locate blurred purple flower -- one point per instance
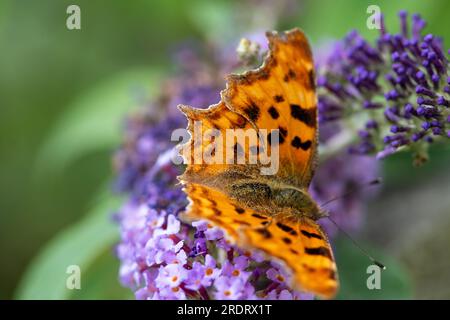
(345, 174)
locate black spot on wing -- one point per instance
(252, 111)
(278, 98)
(216, 211)
(286, 229)
(283, 132)
(319, 251)
(307, 116)
(297, 143)
(311, 235)
(274, 113)
(264, 232)
(289, 76)
(244, 223)
(212, 202)
(239, 210)
(214, 116)
(332, 274)
(258, 216)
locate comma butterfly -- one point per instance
(272, 213)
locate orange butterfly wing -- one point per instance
(299, 245)
(302, 246)
(203, 144)
(281, 95)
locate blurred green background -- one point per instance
(63, 95)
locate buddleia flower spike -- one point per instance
(394, 92)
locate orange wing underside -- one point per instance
(300, 245)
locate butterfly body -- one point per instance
(272, 213)
(275, 199)
(263, 194)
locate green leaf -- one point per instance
(213, 19)
(352, 266)
(101, 280)
(89, 245)
(398, 167)
(93, 121)
(336, 26)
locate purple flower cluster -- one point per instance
(345, 174)
(398, 89)
(147, 132)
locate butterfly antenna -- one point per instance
(370, 183)
(373, 182)
(376, 262)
